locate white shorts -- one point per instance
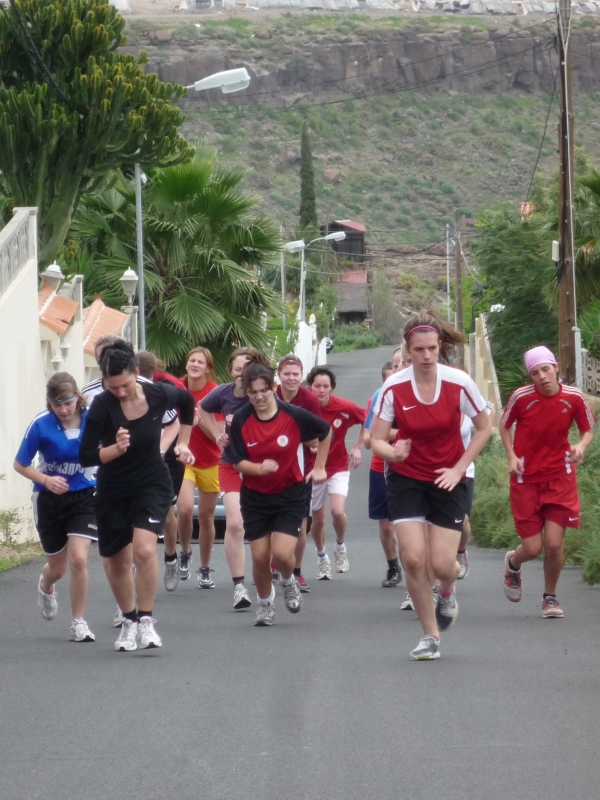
(337, 484)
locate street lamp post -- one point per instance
(230, 80)
(301, 246)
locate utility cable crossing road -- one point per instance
(325, 704)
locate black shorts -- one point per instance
(378, 505)
(58, 516)
(308, 499)
(412, 499)
(470, 494)
(176, 471)
(265, 513)
(119, 512)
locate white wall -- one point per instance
(22, 385)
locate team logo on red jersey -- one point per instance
(337, 423)
(282, 441)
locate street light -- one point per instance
(53, 275)
(300, 246)
(129, 281)
(230, 80)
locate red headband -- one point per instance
(418, 327)
(290, 360)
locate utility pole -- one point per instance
(283, 288)
(460, 350)
(448, 267)
(567, 310)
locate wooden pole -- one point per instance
(567, 314)
(460, 350)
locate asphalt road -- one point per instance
(325, 704)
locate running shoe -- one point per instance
(171, 578)
(324, 569)
(463, 560)
(47, 602)
(241, 598)
(127, 639)
(341, 559)
(204, 579)
(80, 632)
(513, 587)
(446, 610)
(147, 637)
(393, 578)
(551, 609)
(185, 559)
(118, 618)
(264, 616)
(302, 584)
(407, 605)
(292, 597)
(427, 649)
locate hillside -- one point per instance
(410, 117)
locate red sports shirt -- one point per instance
(341, 415)
(433, 428)
(542, 430)
(307, 400)
(377, 463)
(206, 452)
(280, 439)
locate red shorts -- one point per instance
(556, 501)
(229, 479)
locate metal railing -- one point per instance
(17, 244)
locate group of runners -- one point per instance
(110, 463)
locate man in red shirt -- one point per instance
(543, 483)
(290, 374)
(341, 415)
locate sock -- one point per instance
(549, 595)
(512, 567)
(323, 554)
(131, 616)
(437, 638)
(393, 563)
(462, 552)
(446, 594)
(170, 559)
(144, 614)
(269, 601)
(297, 571)
(340, 545)
(285, 582)
(238, 580)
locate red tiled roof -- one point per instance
(348, 223)
(55, 312)
(98, 320)
(354, 276)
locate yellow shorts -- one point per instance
(207, 479)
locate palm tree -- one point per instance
(204, 247)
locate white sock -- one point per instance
(322, 555)
(341, 548)
(269, 601)
(285, 582)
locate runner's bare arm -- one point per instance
(318, 473)
(169, 434)
(54, 483)
(578, 450)
(448, 477)
(251, 468)
(515, 465)
(355, 454)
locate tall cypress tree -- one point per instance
(308, 203)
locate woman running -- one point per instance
(204, 474)
(134, 492)
(427, 492)
(228, 399)
(290, 373)
(63, 498)
(542, 462)
(265, 446)
(341, 415)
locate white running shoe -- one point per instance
(463, 560)
(292, 597)
(241, 598)
(47, 602)
(341, 558)
(146, 635)
(80, 632)
(264, 616)
(324, 569)
(127, 639)
(204, 579)
(171, 578)
(427, 649)
(118, 618)
(407, 604)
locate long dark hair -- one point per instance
(117, 358)
(256, 369)
(424, 321)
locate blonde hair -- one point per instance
(60, 387)
(211, 374)
(424, 321)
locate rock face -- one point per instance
(480, 62)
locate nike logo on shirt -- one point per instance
(154, 521)
(407, 408)
(252, 444)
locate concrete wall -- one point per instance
(482, 368)
(23, 382)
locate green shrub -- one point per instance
(356, 337)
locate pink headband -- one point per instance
(538, 355)
(418, 327)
